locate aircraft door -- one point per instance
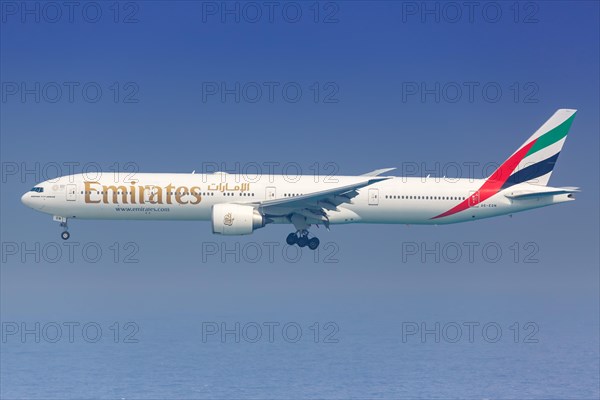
(71, 192)
(270, 192)
(473, 199)
(151, 195)
(373, 197)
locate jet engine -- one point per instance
(236, 219)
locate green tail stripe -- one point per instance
(552, 136)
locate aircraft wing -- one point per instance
(314, 206)
(378, 172)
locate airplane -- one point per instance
(238, 205)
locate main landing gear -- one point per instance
(301, 239)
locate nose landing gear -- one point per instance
(65, 235)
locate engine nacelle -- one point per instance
(235, 219)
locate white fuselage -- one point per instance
(165, 196)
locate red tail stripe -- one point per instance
(493, 184)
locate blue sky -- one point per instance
(168, 104)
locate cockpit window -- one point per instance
(37, 189)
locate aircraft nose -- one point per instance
(26, 199)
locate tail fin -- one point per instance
(534, 160)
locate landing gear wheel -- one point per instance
(292, 239)
(313, 243)
(65, 235)
(302, 241)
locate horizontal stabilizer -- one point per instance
(529, 194)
